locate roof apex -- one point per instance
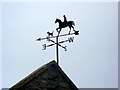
(40, 71)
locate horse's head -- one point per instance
(57, 20)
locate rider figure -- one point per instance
(65, 19)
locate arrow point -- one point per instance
(76, 32)
(38, 39)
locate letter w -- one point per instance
(70, 39)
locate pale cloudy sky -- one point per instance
(91, 61)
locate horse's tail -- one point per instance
(73, 23)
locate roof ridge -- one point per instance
(34, 74)
(41, 70)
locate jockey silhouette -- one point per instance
(65, 19)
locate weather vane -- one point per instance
(51, 36)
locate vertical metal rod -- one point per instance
(57, 56)
(57, 51)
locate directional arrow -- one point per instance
(75, 33)
(57, 43)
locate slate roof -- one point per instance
(48, 77)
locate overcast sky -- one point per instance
(91, 60)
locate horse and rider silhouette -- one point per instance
(64, 24)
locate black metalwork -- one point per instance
(57, 43)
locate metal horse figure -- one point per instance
(63, 25)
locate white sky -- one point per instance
(91, 61)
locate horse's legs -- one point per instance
(57, 29)
(69, 30)
(73, 28)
